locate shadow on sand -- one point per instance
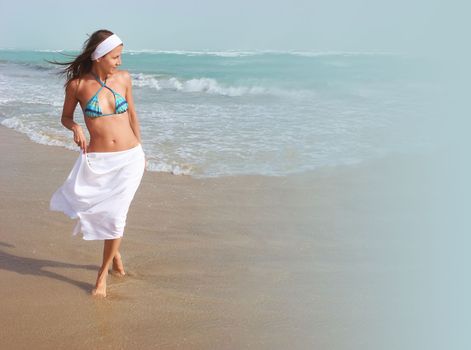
(30, 266)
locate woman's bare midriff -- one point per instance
(111, 133)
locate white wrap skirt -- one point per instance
(99, 191)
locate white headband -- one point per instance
(106, 46)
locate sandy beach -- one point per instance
(247, 262)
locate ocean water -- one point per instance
(211, 114)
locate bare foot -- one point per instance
(100, 286)
(118, 268)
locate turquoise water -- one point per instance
(210, 114)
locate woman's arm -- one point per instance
(70, 102)
(133, 120)
(67, 119)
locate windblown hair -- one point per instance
(82, 64)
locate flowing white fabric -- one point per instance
(106, 46)
(99, 191)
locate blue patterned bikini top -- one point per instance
(92, 108)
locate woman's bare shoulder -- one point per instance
(76, 85)
(122, 78)
(79, 81)
(72, 86)
(72, 83)
(123, 75)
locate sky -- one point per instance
(306, 25)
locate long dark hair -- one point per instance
(82, 64)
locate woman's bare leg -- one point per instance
(110, 248)
(118, 267)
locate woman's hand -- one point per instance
(79, 138)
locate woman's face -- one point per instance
(111, 60)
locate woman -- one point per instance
(107, 173)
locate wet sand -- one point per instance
(246, 262)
